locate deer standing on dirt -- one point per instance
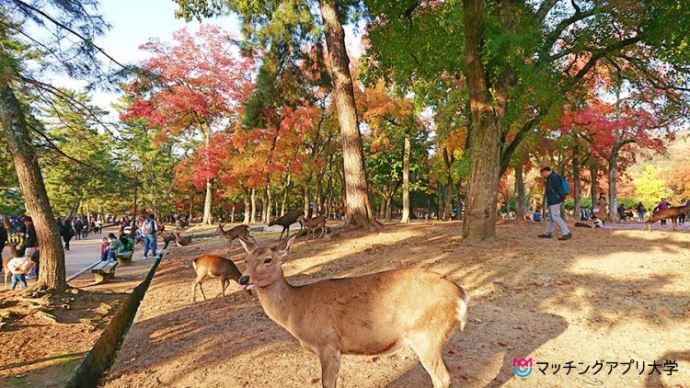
(312, 224)
(365, 315)
(214, 266)
(288, 219)
(672, 213)
(240, 231)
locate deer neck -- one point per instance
(277, 300)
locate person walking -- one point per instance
(29, 241)
(556, 191)
(640, 211)
(3, 237)
(149, 230)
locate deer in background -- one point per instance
(214, 266)
(181, 240)
(312, 224)
(288, 219)
(672, 213)
(365, 315)
(240, 231)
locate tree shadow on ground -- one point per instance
(518, 290)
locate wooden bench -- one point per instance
(125, 257)
(104, 271)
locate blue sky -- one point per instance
(133, 22)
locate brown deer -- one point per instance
(214, 266)
(167, 239)
(365, 315)
(240, 231)
(312, 224)
(288, 219)
(672, 213)
(181, 240)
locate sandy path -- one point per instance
(606, 295)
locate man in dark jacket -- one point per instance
(555, 195)
(29, 241)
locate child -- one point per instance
(19, 266)
(598, 223)
(104, 249)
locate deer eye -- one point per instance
(268, 260)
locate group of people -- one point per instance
(25, 261)
(144, 230)
(78, 228)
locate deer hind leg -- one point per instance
(429, 349)
(330, 365)
(224, 283)
(197, 281)
(323, 231)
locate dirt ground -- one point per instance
(41, 350)
(604, 297)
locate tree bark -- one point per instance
(576, 180)
(252, 217)
(305, 198)
(613, 176)
(520, 194)
(593, 172)
(232, 213)
(247, 208)
(480, 219)
(357, 202)
(52, 264)
(406, 182)
(208, 201)
(389, 211)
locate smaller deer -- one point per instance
(181, 240)
(240, 231)
(167, 239)
(318, 222)
(288, 219)
(214, 266)
(672, 213)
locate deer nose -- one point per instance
(244, 280)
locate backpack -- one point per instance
(564, 185)
(149, 227)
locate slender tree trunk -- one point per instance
(577, 189)
(389, 210)
(358, 205)
(305, 198)
(613, 176)
(191, 208)
(520, 194)
(593, 172)
(52, 265)
(269, 205)
(247, 208)
(286, 189)
(253, 211)
(232, 213)
(448, 202)
(480, 217)
(382, 207)
(208, 201)
(406, 182)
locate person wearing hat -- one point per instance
(555, 195)
(29, 242)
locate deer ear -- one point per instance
(284, 245)
(247, 245)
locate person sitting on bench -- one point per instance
(116, 247)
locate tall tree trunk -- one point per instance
(448, 202)
(520, 194)
(480, 217)
(358, 205)
(305, 198)
(269, 204)
(52, 266)
(283, 203)
(208, 201)
(264, 207)
(191, 209)
(247, 208)
(406, 182)
(389, 210)
(613, 176)
(253, 212)
(232, 213)
(593, 172)
(577, 189)
(382, 207)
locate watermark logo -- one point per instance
(522, 367)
